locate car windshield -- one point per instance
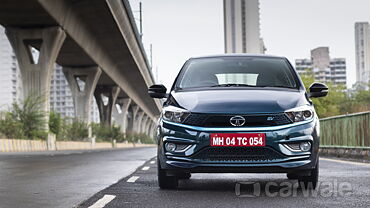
(237, 72)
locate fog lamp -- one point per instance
(170, 147)
(305, 146)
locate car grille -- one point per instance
(237, 154)
(205, 120)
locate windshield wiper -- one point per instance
(246, 85)
(234, 85)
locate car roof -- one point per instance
(237, 55)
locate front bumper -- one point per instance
(275, 157)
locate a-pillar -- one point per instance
(106, 97)
(121, 117)
(82, 82)
(37, 71)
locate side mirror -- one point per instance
(318, 90)
(157, 91)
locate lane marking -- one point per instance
(152, 162)
(133, 179)
(145, 168)
(103, 201)
(344, 161)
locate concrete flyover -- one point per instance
(97, 44)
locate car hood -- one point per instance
(240, 100)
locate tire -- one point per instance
(164, 181)
(311, 181)
(184, 176)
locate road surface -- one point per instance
(127, 178)
(342, 184)
(63, 179)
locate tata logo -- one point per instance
(237, 120)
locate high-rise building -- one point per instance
(242, 27)
(10, 78)
(60, 95)
(324, 68)
(362, 41)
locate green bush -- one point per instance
(55, 123)
(24, 120)
(104, 134)
(76, 131)
(145, 139)
(30, 116)
(139, 138)
(107, 134)
(10, 127)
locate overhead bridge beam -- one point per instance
(67, 17)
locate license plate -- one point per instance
(238, 139)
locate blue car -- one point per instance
(238, 113)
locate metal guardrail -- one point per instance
(346, 131)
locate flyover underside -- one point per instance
(94, 38)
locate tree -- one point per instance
(333, 104)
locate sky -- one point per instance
(180, 29)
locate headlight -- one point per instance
(302, 113)
(174, 114)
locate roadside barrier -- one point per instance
(349, 131)
(346, 136)
(20, 145)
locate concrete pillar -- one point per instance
(130, 120)
(143, 124)
(152, 129)
(36, 72)
(147, 123)
(147, 126)
(106, 106)
(82, 93)
(121, 118)
(139, 120)
(135, 112)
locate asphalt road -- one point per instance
(127, 178)
(342, 184)
(63, 179)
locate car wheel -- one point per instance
(164, 181)
(312, 180)
(184, 176)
